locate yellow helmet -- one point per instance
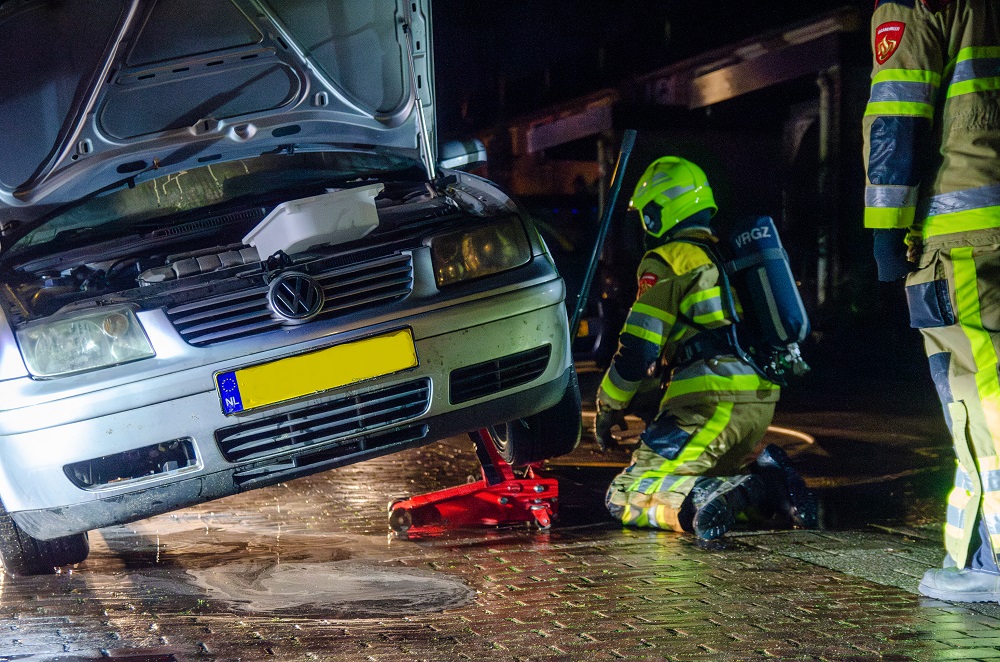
(671, 190)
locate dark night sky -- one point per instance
(497, 59)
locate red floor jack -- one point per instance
(499, 498)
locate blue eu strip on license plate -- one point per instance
(229, 391)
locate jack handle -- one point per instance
(628, 142)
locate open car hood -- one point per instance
(106, 91)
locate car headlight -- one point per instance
(92, 340)
(479, 251)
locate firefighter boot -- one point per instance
(716, 510)
(786, 491)
(960, 585)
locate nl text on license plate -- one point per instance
(305, 374)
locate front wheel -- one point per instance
(21, 554)
(547, 434)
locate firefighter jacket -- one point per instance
(679, 299)
(932, 124)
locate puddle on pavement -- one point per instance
(330, 576)
(349, 591)
(328, 590)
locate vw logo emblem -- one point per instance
(295, 296)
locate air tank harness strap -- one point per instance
(702, 347)
(729, 334)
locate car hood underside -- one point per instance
(106, 91)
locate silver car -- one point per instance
(231, 257)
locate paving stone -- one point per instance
(587, 590)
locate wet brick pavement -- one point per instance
(305, 570)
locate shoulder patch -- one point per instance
(682, 256)
(888, 36)
(646, 281)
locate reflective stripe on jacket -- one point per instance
(932, 124)
(681, 285)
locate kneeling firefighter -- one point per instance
(695, 469)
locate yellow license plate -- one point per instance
(306, 374)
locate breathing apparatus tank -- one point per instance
(756, 266)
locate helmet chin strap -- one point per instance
(699, 219)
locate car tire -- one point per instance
(21, 554)
(547, 434)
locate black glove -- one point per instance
(608, 418)
(890, 254)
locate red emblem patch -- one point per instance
(646, 281)
(888, 36)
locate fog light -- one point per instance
(142, 462)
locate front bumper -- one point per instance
(43, 501)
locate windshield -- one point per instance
(156, 203)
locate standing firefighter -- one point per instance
(694, 469)
(932, 152)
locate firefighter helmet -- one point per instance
(671, 190)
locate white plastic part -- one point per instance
(330, 218)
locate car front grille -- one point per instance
(328, 457)
(346, 289)
(490, 377)
(342, 418)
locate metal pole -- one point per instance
(628, 142)
(829, 145)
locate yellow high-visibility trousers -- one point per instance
(685, 442)
(954, 299)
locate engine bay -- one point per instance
(143, 268)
